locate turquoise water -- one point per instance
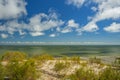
(69, 50)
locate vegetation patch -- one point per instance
(13, 55)
(60, 66)
(20, 67)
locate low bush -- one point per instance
(60, 66)
(13, 55)
(75, 59)
(17, 68)
(109, 74)
(82, 74)
(2, 72)
(21, 71)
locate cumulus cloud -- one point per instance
(99, 1)
(21, 32)
(91, 27)
(94, 8)
(4, 36)
(112, 13)
(36, 25)
(12, 9)
(52, 35)
(76, 3)
(71, 24)
(107, 9)
(13, 26)
(42, 22)
(36, 33)
(114, 27)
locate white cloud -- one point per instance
(99, 1)
(36, 33)
(12, 8)
(58, 29)
(77, 3)
(4, 36)
(114, 27)
(90, 27)
(36, 26)
(43, 22)
(94, 8)
(107, 9)
(13, 26)
(22, 32)
(112, 13)
(66, 30)
(52, 35)
(108, 4)
(71, 24)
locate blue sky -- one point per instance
(90, 21)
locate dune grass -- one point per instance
(21, 67)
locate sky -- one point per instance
(83, 21)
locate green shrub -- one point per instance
(21, 71)
(29, 70)
(59, 66)
(75, 59)
(109, 74)
(8, 56)
(65, 58)
(82, 74)
(2, 72)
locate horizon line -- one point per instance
(58, 43)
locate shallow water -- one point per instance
(69, 50)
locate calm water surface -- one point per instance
(69, 50)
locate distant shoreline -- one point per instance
(59, 45)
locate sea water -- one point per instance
(64, 50)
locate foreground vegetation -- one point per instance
(107, 74)
(18, 66)
(15, 67)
